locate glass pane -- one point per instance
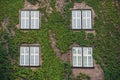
(84, 23)
(79, 51)
(32, 14)
(89, 50)
(22, 23)
(89, 23)
(26, 59)
(37, 50)
(79, 14)
(37, 14)
(84, 13)
(21, 59)
(27, 14)
(73, 13)
(26, 50)
(34, 19)
(88, 13)
(21, 50)
(32, 50)
(27, 23)
(32, 60)
(74, 61)
(32, 24)
(80, 61)
(36, 60)
(24, 19)
(74, 51)
(78, 23)
(90, 61)
(37, 23)
(84, 61)
(73, 23)
(85, 51)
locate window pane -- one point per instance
(79, 51)
(26, 59)
(37, 23)
(73, 23)
(24, 19)
(36, 14)
(34, 56)
(79, 61)
(85, 61)
(73, 13)
(83, 13)
(78, 23)
(36, 60)
(36, 50)
(32, 50)
(90, 51)
(74, 61)
(21, 59)
(85, 51)
(84, 23)
(86, 19)
(79, 14)
(22, 13)
(74, 51)
(26, 51)
(87, 57)
(88, 13)
(21, 50)
(32, 60)
(24, 56)
(76, 19)
(90, 61)
(89, 23)
(34, 19)
(27, 14)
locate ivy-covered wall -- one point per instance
(106, 42)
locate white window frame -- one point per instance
(77, 55)
(29, 55)
(25, 19)
(35, 19)
(84, 53)
(34, 54)
(24, 54)
(75, 19)
(87, 54)
(86, 18)
(30, 19)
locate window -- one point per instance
(29, 20)
(76, 19)
(29, 56)
(81, 19)
(82, 57)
